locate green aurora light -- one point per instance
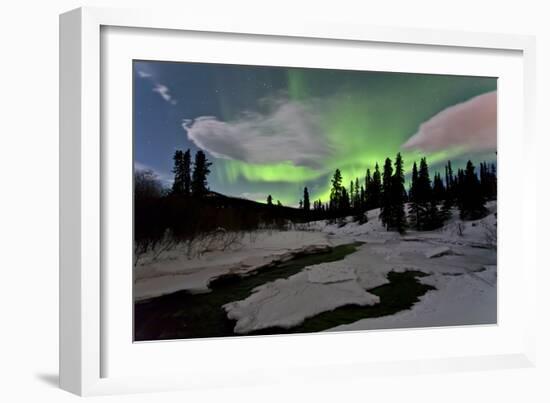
(364, 117)
(367, 121)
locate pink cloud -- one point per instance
(471, 125)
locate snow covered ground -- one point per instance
(458, 259)
(287, 302)
(172, 271)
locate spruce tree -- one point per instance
(449, 178)
(398, 219)
(413, 199)
(450, 188)
(336, 191)
(344, 201)
(428, 213)
(459, 185)
(471, 200)
(201, 169)
(438, 188)
(374, 194)
(269, 200)
(306, 199)
(351, 193)
(367, 186)
(357, 196)
(424, 191)
(177, 170)
(186, 173)
(386, 204)
(360, 213)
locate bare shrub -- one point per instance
(166, 243)
(217, 240)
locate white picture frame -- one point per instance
(85, 344)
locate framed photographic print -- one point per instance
(236, 199)
(276, 200)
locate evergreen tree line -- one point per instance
(429, 200)
(186, 212)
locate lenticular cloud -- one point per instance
(470, 125)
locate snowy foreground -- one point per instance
(459, 260)
(173, 271)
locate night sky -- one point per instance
(274, 130)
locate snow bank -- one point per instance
(437, 252)
(372, 231)
(288, 302)
(173, 271)
(458, 300)
(459, 260)
(478, 233)
(463, 274)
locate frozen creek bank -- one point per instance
(184, 315)
(173, 271)
(459, 263)
(281, 282)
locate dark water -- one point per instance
(182, 315)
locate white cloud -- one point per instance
(287, 131)
(159, 88)
(144, 74)
(164, 92)
(470, 125)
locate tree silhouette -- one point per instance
(352, 194)
(306, 199)
(398, 219)
(344, 201)
(201, 169)
(269, 200)
(357, 196)
(385, 208)
(374, 190)
(414, 213)
(182, 173)
(186, 173)
(438, 188)
(450, 191)
(424, 189)
(177, 170)
(336, 190)
(471, 202)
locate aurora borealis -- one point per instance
(274, 130)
